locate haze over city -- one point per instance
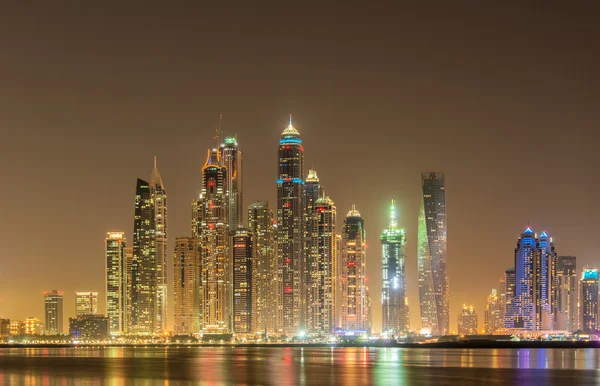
(505, 108)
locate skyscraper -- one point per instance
(290, 230)
(187, 288)
(312, 191)
(144, 267)
(159, 198)
(567, 316)
(243, 284)
(494, 311)
(467, 321)
(589, 300)
(118, 279)
(393, 292)
(534, 303)
(231, 156)
(321, 297)
(260, 224)
(510, 288)
(86, 303)
(352, 266)
(209, 224)
(53, 305)
(433, 281)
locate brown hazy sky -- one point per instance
(503, 97)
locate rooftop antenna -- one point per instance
(219, 132)
(291, 120)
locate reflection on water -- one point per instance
(297, 365)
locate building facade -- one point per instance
(144, 266)
(53, 305)
(290, 231)
(265, 309)
(567, 315)
(159, 198)
(353, 270)
(243, 283)
(94, 327)
(312, 192)
(494, 311)
(187, 287)
(32, 326)
(432, 237)
(393, 292)
(467, 321)
(118, 281)
(321, 294)
(589, 300)
(210, 226)
(231, 156)
(86, 303)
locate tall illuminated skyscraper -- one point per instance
(209, 224)
(313, 191)
(545, 283)
(243, 284)
(260, 224)
(494, 312)
(433, 280)
(53, 305)
(467, 321)
(352, 267)
(589, 300)
(86, 303)
(321, 297)
(567, 316)
(521, 313)
(159, 197)
(144, 266)
(290, 230)
(187, 295)
(231, 157)
(117, 288)
(393, 293)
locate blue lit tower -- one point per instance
(589, 300)
(290, 230)
(393, 293)
(521, 314)
(433, 280)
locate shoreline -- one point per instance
(445, 345)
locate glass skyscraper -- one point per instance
(260, 223)
(53, 306)
(353, 265)
(187, 295)
(243, 284)
(159, 198)
(589, 300)
(290, 231)
(393, 292)
(118, 283)
(567, 316)
(433, 280)
(231, 157)
(144, 267)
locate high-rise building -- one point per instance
(243, 285)
(17, 327)
(117, 283)
(589, 300)
(467, 321)
(86, 303)
(510, 289)
(567, 316)
(534, 304)
(369, 310)
(33, 326)
(260, 224)
(231, 156)
(352, 266)
(53, 305)
(545, 283)
(321, 296)
(159, 198)
(433, 280)
(393, 292)
(127, 303)
(494, 311)
(290, 230)
(4, 328)
(312, 192)
(209, 224)
(187, 288)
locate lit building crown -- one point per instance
(312, 176)
(290, 131)
(353, 212)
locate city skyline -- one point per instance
(389, 100)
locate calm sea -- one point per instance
(297, 366)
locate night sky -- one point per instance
(503, 97)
